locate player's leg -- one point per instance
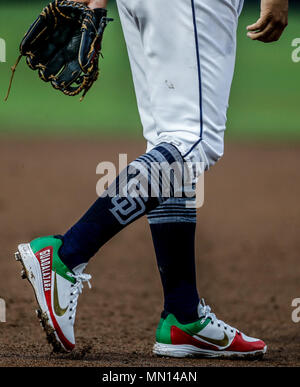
(54, 265)
(172, 224)
(188, 103)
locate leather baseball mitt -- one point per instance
(64, 44)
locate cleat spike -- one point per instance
(18, 256)
(23, 274)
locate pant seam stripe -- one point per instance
(199, 77)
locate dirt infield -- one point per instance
(247, 247)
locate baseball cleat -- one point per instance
(56, 289)
(206, 337)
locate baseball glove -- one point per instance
(64, 44)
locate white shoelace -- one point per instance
(204, 312)
(77, 290)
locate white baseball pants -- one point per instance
(182, 55)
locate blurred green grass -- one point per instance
(264, 101)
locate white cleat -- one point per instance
(206, 337)
(56, 288)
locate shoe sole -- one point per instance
(181, 351)
(31, 272)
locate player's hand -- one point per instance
(97, 4)
(272, 22)
(93, 3)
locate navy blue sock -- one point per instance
(173, 228)
(113, 210)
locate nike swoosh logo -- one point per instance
(57, 308)
(220, 343)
